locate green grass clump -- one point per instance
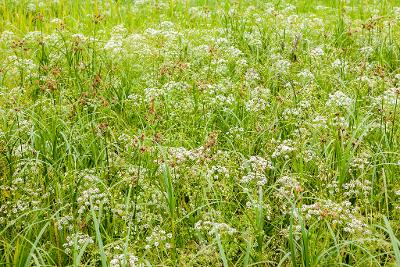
(199, 133)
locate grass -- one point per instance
(199, 133)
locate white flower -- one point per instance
(282, 65)
(114, 45)
(339, 64)
(284, 149)
(306, 74)
(366, 50)
(317, 52)
(339, 99)
(252, 75)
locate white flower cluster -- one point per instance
(121, 260)
(291, 112)
(79, 38)
(256, 105)
(256, 167)
(284, 149)
(91, 198)
(27, 66)
(340, 122)
(7, 37)
(286, 188)
(114, 45)
(235, 132)
(136, 99)
(340, 64)
(65, 222)
(199, 13)
(76, 242)
(222, 101)
(306, 75)
(360, 162)
(23, 150)
(253, 38)
(357, 187)
(158, 237)
(174, 86)
(356, 226)
(19, 206)
(342, 214)
(319, 122)
(33, 37)
(308, 155)
(251, 176)
(252, 76)
(390, 97)
(371, 82)
(339, 99)
(366, 50)
(152, 93)
(214, 228)
(180, 155)
(282, 66)
(259, 164)
(218, 172)
(317, 52)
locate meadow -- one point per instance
(199, 133)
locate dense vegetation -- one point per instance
(199, 133)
